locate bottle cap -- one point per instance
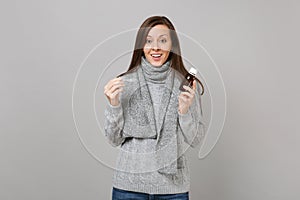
(193, 71)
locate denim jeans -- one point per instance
(119, 194)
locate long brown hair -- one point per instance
(174, 55)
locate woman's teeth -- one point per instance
(156, 55)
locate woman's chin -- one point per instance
(157, 63)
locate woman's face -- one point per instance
(158, 45)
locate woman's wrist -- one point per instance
(183, 111)
(114, 103)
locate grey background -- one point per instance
(254, 43)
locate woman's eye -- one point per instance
(163, 40)
(148, 41)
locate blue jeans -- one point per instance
(119, 194)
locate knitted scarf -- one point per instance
(138, 113)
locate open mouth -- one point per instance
(156, 55)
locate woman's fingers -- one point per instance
(186, 98)
(115, 87)
(112, 90)
(115, 93)
(187, 94)
(182, 98)
(112, 83)
(194, 85)
(190, 90)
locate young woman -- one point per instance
(151, 119)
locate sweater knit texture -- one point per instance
(136, 167)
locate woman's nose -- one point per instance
(155, 46)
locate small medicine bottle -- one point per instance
(189, 78)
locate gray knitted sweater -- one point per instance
(150, 180)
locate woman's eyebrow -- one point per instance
(158, 36)
(163, 35)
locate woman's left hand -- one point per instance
(185, 99)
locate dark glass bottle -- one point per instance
(189, 78)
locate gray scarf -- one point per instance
(138, 112)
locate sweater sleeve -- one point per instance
(113, 124)
(192, 123)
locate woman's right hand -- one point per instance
(112, 90)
